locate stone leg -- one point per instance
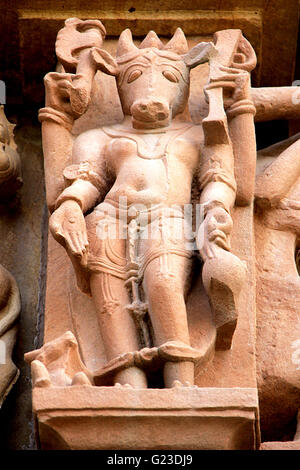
(164, 289)
(116, 324)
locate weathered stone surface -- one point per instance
(181, 337)
(27, 55)
(9, 312)
(278, 300)
(10, 166)
(280, 445)
(31, 29)
(21, 228)
(112, 418)
(10, 181)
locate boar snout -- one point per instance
(150, 111)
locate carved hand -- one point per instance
(235, 83)
(68, 227)
(214, 232)
(58, 87)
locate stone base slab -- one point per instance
(276, 445)
(104, 418)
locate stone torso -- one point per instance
(153, 167)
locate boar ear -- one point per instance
(104, 61)
(199, 54)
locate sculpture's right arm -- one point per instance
(87, 182)
(87, 179)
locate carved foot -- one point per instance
(129, 367)
(178, 384)
(179, 374)
(118, 385)
(131, 377)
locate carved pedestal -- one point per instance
(84, 417)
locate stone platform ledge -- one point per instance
(97, 418)
(280, 445)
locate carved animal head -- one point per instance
(153, 79)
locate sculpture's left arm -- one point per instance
(87, 182)
(242, 134)
(218, 194)
(276, 103)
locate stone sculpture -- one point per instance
(278, 327)
(136, 178)
(10, 307)
(121, 180)
(10, 181)
(10, 166)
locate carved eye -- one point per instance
(170, 76)
(134, 75)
